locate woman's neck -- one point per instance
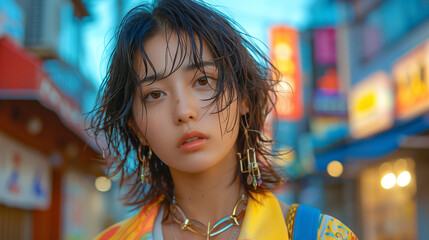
(210, 195)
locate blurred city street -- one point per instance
(352, 114)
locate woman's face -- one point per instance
(184, 133)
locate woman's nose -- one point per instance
(186, 108)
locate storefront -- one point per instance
(41, 142)
(392, 195)
(385, 152)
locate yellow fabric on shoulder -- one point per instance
(137, 227)
(263, 220)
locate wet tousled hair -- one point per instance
(244, 74)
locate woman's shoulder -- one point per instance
(284, 207)
(135, 227)
(111, 231)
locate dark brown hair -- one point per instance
(244, 72)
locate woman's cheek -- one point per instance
(156, 125)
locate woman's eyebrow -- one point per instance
(189, 67)
(150, 78)
(202, 64)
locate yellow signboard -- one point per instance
(371, 106)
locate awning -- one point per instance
(22, 77)
(374, 147)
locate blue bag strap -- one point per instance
(306, 223)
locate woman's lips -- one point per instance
(193, 145)
(198, 140)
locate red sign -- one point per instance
(19, 70)
(285, 57)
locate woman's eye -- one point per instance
(202, 81)
(154, 95)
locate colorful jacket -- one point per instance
(261, 221)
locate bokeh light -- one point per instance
(335, 169)
(388, 181)
(103, 184)
(404, 178)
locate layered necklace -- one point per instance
(210, 230)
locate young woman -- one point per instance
(182, 108)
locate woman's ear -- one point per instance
(244, 106)
(137, 131)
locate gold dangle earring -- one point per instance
(145, 172)
(254, 175)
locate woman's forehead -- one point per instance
(167, 51)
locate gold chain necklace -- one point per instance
(176, 232)
(220, 226)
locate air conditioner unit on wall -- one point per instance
(42, 26)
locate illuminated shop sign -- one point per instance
(328, 98)
(325, 47)
(285, 56)
(412, 83)
(371, 106)
(326, 104)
